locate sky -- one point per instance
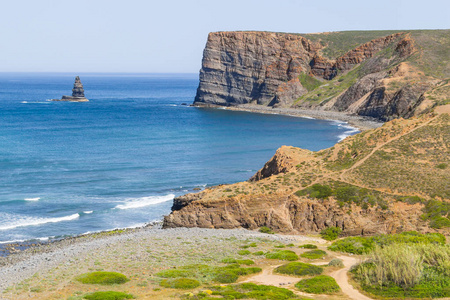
(148, 36)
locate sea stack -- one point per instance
(77, 93)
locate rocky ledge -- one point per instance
(77, 93)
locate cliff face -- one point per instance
(379, 181)
(276, 69)
(252, 67)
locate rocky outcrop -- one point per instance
(373, 180)
(77, 93)
(263, 68)
(291, 214)
(253, 67)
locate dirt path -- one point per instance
(342, 279)
(360, 162)
(268, 278)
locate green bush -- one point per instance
(229, 261)
(246, 262)
(336, 262)
(110, 295)
(330, 233)
(316, 191)
(106, 278)
(282, 255)
(308, 246)
(232, 274)
(280, 246)
(321, 284)
(174, 273)
(252, 291)
(265, 229)
(354, 244)
(299, 269)
(313, 254)
(244, 252)
(442, 166)
(258, 253)
(180, 283)
(406, 270)
(438, 213)
(308, 82)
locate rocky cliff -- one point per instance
(292, 70)
(390, 179)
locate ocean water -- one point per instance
(118, 160)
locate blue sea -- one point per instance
(119, 160)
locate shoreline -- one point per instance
(25, 264)
(359, 122)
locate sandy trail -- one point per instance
(342, 279)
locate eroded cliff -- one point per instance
(385, 180)
(292, 70)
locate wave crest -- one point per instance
(144, 201)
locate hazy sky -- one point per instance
(169, 35)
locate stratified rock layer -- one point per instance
(77, 93)
(264, 68)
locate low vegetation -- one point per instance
(330, 233)
(180, 283)
(321, 284)
(299, 269)
(336, 262)
(313, 254)
(248, 291)
(282, 255)
(308, 246)
(265, 229)
(406, 270)
(109, 295)
(308, 82)
(363, 245)
(207, 274)
(106, 278)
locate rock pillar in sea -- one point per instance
(78, 90)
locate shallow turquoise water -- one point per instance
(118, 160)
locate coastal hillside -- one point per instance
(387, 180)
(379, 74)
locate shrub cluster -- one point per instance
(363, 245)
(321, 284)
(313, 254)
(180, 283)
(330, 233)
(336, 262)
(308, 246)
(299, 269)
(249, 291)
(265, 229)
(407, 270)
(282, 255)
(109, 295)
(106, 278)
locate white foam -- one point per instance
(88, 212)
(32, 199)
(144, 201)
(23, 221)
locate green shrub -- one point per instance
(330, 233)
(336, 262)
(244, 252)
(265, 229)
(438, 213)
(282, 255)
(308, 246)
(442, 166)
(229, 261)
(246, 262)
(313, 254)
(174, 273)
(308, 82)
(354, 244)
(252, 291)
(406, 270)
(316, 191)
(299, 269)
(321, 284)
(258, 253)
(280, 246)
(106, 278)
(180, 283)
(110, 295)
(232, 274)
